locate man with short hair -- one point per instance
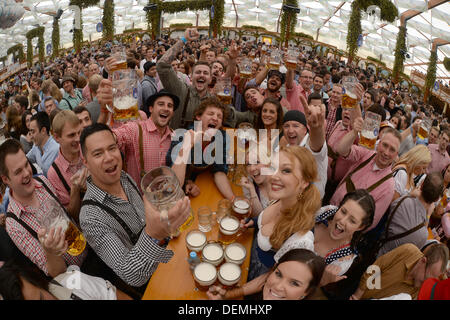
(210, 55)
(64, 173)
(368, 100)
(148, 86)
(49, 105)
(410, 215)
(295, 92)
(403, 270)
(120, 225)
(93, 70)
(21, 103)
(318, 87)
(439, 155)
(72, 96)
(45, 148)
(434, 135)
(31, 199)
(94, 107)
(84, 116)
(334, 109)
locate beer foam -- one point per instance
(241, 206)
(230, 271)
(351, 94)
(235, 252)
(368, 134)
(212, 252)
(205, 271)
(60, 223)
(196, 239)
(124, 103)
(229, 223)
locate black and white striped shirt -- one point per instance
(132, 263)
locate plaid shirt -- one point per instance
(331, 121)
(154, 146)
(132, 263)
(26, 243)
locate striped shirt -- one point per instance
(132, 263)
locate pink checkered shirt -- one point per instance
(24, 241)
(155, 147)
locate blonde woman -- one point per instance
(409, 170)
(293, 212)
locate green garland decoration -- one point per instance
(17, 51)
(303, 35)
(288, 21)
(431, 73)
(154, 16)
(36, 32)
(376, 60)
(78, 33)
(180, 25)
(389, 13)
(399, 57)
(253, 28)
(55, 38)
(447, 63)
(108, 20)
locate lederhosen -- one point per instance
(135, 292)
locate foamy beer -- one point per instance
(205, 274)
(245, 68)
(291, 61)
(224, 98)
(275, 59)
(241, 208)
(195, 240)
(228, 229)
(371, 128)
(223, 90)
(424, 129)
(120, 55)
(212, 253)
(235, 253)
(56, 218)
(125, 103)
(229, 274)
(349, 99)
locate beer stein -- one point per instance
(120, 55)
(241, 208)
(55, 217)
(424, 129)
(370, 130)
(195, 240)
(228, 229)
(205, 274)
(162, 188)
(349, 99)
(275, 59)
(223, 90)
(291, 61)
(229, 274)
(245, 68)
(235, 253)
(125, 100)
(212, 253)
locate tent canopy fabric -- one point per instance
(379, 37)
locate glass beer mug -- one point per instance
(424, 129)
(125, 95)
(245, 68)
(229, 274)
(370, 130)
(228, 230)
(205, 274)
(349, 99)
(291, 61)
(223, 90)
(275, 59)
(55, 217)
(120, 55)
(162, 189)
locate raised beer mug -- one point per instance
(195, 240)
(371, 128)
(223, 90)
(162, 188)
(119, 53)
(212, 253)
(55, 217)
(245, 68)
(349, 99)
(125, 96)
(275, 59)
(229, 274)
(424, 129)
(205, 274)
(291, 61)
(235, 253)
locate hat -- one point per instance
(295, 115)
(163, 93)
(433, 289)
(277, 73)
(68, 78)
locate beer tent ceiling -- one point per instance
(331, 16)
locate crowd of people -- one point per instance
(329, 211)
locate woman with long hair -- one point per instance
(296, 276)
(292, 213)
(25, 139)
(410, 169)
(13, 123)
(270, 117)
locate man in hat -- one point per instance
(149, 86)
(144, 143)
(72, 97)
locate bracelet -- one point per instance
(184, 40)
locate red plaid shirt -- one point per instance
(331, 121)
(155, 147)
(24, 241)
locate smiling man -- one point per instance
(144, 143)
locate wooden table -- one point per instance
(174, 280)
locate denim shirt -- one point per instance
(44, 159)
